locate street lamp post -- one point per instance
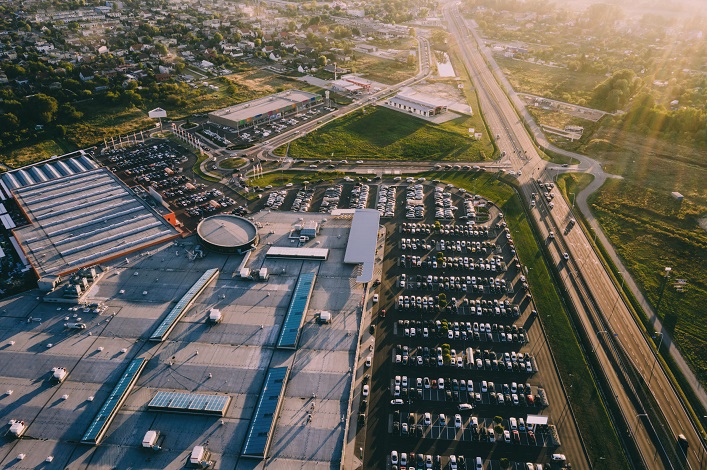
(599, 333)
(657, 353)
(636, 423)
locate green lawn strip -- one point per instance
(690, 400)
(573, 183)
(232, 163)
(197, 169)
(477, 122)
(593, 420)
(379, 133)
(278, 179)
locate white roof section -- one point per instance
(361, 246)
(84, 219)
(301, 253)
(421, 99)
(536, 419)
(263, 106)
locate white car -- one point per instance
(442, 419)
(394, 457)
(457, 421)
(368, 361)
(375, 298)
(428, 419)
(365, 391)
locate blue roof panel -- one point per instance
(261, 426)
(100, 423)
(296, 311)
(161, 332)
(184, 402)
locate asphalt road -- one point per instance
(624, 348)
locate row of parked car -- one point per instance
(386, 201)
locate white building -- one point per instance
(423, 105)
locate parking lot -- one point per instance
(454, 368)
(232, 138)
(167, 168)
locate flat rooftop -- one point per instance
(227, 230)
(83, 219)
(230, 359)
(256, 108)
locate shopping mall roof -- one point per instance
(83, 219)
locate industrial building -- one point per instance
(263, 110)
(80, 215)
(417, 103)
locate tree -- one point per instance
(321, 61)
(161, 49)
(9, 122)
(412, 32)
(43, 108)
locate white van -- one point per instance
(513, 424)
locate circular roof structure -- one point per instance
(227, 231)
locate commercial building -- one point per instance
(417, 103)
(80, 215)
(263, 110)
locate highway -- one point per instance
(652, 413)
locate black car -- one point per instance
(361, 419)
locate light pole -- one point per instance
(657, 353)
(636, 423)
(598, 338)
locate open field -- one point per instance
(550, 82)
(593, 421)
(383, 133)
(381, 70)
(31, 154)
(100, 121)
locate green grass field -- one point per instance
(549, 82)
(382, 133)
(380, 70)
(231, 163)
(573, 183)
(593, 420)
(281, 178)
(32, 153)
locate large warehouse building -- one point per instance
(266, 109)
(80, 215)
